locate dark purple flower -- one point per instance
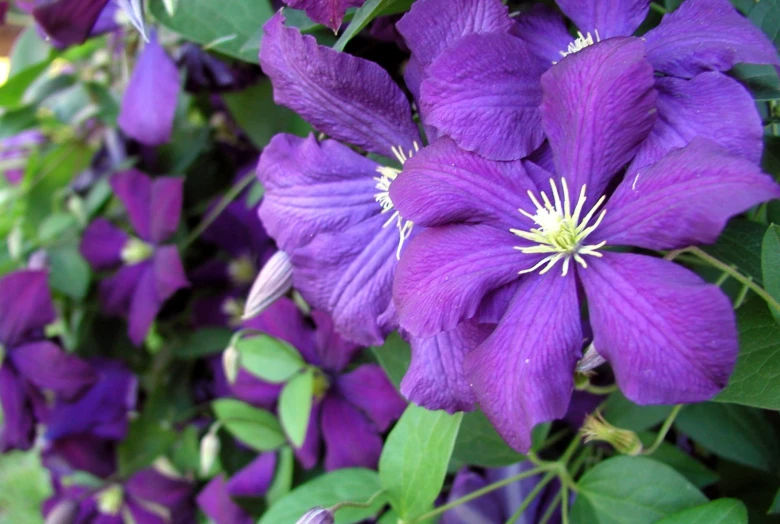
(25, 309)
(215, 501)
(68, 22)
(482, 89)
(150, 272)
(15, 150)
(329, 13)
(149, 103)
(668, 335)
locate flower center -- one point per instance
(110, 500)
(580, 43)
(233, 309)
(388, 174)
(561, 231)
(136, 250)
(242, 271)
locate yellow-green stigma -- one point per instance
(110, 500)
(321, 384)
(136, 250)
(561, 231)
(242, 270)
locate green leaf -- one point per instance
(761, 80)
(255, 112)
(394, 357)
(202, 343)
(17, 120)
(774, 509)
(770, 264)
(740, 245)
(29, 49)
(479, 444)
(415, 457)
(766, 15)
(623, 413)
(269, 358)
(696, 472)
(283, 477)
(632, 490)
(343, 485)
(224, 27)
(55, 226)
(721, 511)
(295, 406)
(756, 378)
(257, 428)
(146, 440)
(738, 433)
(69, 272)
(363, 16)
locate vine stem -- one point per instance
(366, 504)
(209, 219)
(658, 8)
(664, 430)
(531, 496)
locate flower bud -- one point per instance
(65, 511)
(623, 440)
(590, 360)
(316, 515)
(231, 362)
(15, 241)
(209, 450)
(273, 282)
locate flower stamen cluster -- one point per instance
(561, 232)
(388, 174)
(580, 43)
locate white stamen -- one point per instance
(580, 43)
(388, 174)
(560, 233)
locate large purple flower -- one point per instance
(479, 70)
(669, 336)
(30, 362)
(150, 272)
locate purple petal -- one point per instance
(544, 32)
(68, 21)
(18, 429)
(346, 97)
(313, 187)
(432, 26)
(149, 103)
(134, 189)
(82, 453)
(349, 275)
(251, 389)
(446, 271)
(359, 447)
(435, 378)
(116, 292)
(152, 486)
(484, 93)
(238, 231)
(308, 454)
(165, 209)
(710, 105)
(285, 321)
(25, 306)
(255, 479)
(482, 510)
(369, 389)
(215, 502)
(102, 245)
(670, 337)
(598, 106)
(144, 306)
(333, 351)
(443, 184)
(49, 367)
(523, 373)
(608, 17)
(326, 12)
(140, 513)
(684, 199)
(706, 35)
(168, 272)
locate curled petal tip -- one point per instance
(273, 282)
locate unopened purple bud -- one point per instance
(64, 512)
(273, 282)
(316, 515)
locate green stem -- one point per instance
(551, 508)
(555, 438)
(736, 275)
(565, 504)
(229, 197)
(530, 498)
(366, 504)
(476, 494)
(601, 390)
(664, 430)
(658, 8)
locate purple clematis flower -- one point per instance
(25, 309)
(149, 103)
(16, 149)
(150, 272)
(68, 22)
(329, 13)
(669, 336)
(479, 70)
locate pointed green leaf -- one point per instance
(257, 428)
(721, 511)
(770, 264)
(269, 358)
(295, 406)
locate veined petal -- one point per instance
(706, 35)
(255, 479)
(446, 271)
(670, 337)
(484, 93)
(329, 13)
(435, 378)
(544, 32)
(144, 305)
(149, 102)
(710, 105)
(214, 500)
(685, 198)
(165, 209)
(523, 373)
(334, 353)
(168, 272)
(68, 22)
(350, 99)
(444, 184)
(314, 187)
(49, 367)
(608, 17)
(18, 430)
(369, 389)
(359, 447)
(598, 106)
(102, 244)
(25, 306)
(349, 275)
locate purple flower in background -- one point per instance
(668, 335)
(329, 13)
(68, 22)
(149, 271)
(149, 103)
(15, 150)
(25, 309)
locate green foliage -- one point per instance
(269, 358)
(690, 468)
(366, 13)
(623, 413)
(257, 428)
(740, 246)
(295, 406)
(70, 274)
(203, 342)
(721, 511)
(146, 440)
(770, 264)
(480, 444)
(394, 357)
